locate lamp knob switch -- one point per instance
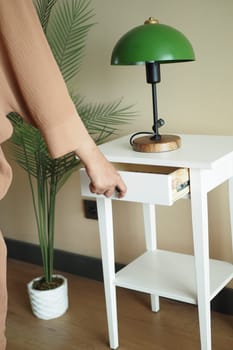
(160, 122)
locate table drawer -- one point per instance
(148, 184)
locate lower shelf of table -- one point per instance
(171, 275)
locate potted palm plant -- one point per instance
(66, 25)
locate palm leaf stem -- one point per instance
(42, 213)
(51, 224)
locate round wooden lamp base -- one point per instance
(166, 143)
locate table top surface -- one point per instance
(196, 151)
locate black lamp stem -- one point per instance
(155, 126)
(153, 77)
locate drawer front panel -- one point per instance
(154, 188)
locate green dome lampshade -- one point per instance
(150, 42)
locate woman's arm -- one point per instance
(34, 87)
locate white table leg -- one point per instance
(151, 241)
(201, 252)
(104, 207)
(230, 189)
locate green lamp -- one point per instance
(152, 44)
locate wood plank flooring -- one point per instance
(84, 326)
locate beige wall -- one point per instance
(193, 98)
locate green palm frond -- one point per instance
(30, 152)
(67, 32)
(26, 140)
(44, 8)
(103, 120)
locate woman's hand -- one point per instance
(104, 177)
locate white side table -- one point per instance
(208, 160)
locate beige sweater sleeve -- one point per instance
(31, 83)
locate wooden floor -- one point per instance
(84, 326)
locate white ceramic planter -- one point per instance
(49, 304)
